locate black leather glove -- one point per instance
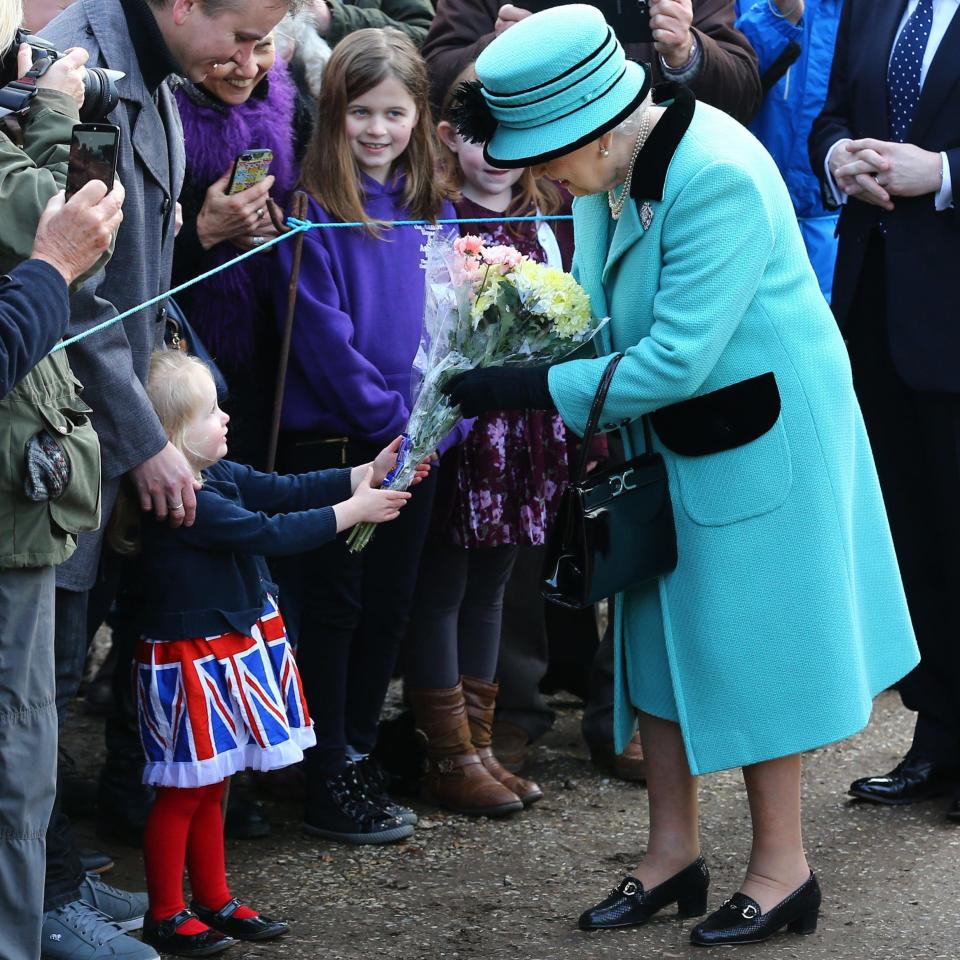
(500, 388)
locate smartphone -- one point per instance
(630, 19)
(93, 155)
(249, 169)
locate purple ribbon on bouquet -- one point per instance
(402, 454)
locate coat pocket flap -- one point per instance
(721, 420)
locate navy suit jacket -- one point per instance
(922, 244)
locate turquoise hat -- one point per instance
(551, 83)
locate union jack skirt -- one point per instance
(211, 706)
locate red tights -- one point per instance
(185, 826)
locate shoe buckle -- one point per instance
(629, 888)
(749, 912)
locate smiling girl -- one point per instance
(357, 327)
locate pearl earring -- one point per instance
(604, 152)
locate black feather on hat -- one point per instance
(471, 113)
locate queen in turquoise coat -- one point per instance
(785, 615)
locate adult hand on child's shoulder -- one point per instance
(166, 485)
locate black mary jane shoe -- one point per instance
(251, 928)
(629, 905)
(163, 936)
(740, 919)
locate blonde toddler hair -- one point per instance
(174, 388)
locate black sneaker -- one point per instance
(246, 818)
(339, 809)
(374, 781)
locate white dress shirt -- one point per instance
(943, 12)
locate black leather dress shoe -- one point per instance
(164, 938)
(629, 904)
(909, 781)
(252, 928)
(740, 919)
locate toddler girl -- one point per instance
(217, 686)
(498, 492)
(358, 322)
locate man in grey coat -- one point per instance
(147, 40)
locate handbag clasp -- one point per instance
(621, 482)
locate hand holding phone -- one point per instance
(630, 19)
(236, 217)
(72, 236)
(93, 155)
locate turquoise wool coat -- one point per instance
(785, 615)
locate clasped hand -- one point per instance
(876, 171)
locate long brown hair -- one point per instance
(530, 194)
(330, 173)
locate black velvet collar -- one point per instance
(154, 56)
(650, 171)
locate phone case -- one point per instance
(249, 170)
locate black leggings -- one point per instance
(348, 613)
(455, 628)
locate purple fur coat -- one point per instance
(227, 308)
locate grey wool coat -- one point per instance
(112, 364)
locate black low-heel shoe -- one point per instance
(250, 928)
(629, 904)
(164, 938)
(740, 919)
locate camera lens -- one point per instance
(100, 95)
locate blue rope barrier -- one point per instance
(296, 226)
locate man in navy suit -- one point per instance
(887, 147)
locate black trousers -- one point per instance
(348, 613)
(915, 436)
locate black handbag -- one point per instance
(614, 528)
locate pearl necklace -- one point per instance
(617, 203)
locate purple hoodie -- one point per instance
(357, 324)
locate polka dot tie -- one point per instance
(903, 75)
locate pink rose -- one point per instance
(468, 246)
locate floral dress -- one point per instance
(513, 465)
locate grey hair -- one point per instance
(11, 16)
(631, 126)
(213, 7)
(298, 42)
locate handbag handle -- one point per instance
(593, 420)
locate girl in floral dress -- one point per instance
(497, 491)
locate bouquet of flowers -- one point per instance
(486, 306)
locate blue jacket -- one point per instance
(210, 578)
(785, 615)
(789, 108)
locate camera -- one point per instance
(100, 94)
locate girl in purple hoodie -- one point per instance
(357, 327)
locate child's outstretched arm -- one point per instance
(369, 504)
(285, 493)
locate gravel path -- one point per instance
(473, 889)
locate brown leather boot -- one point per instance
(481, 700)
(456, 778)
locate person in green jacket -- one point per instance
(336, 18)
(46, 497)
